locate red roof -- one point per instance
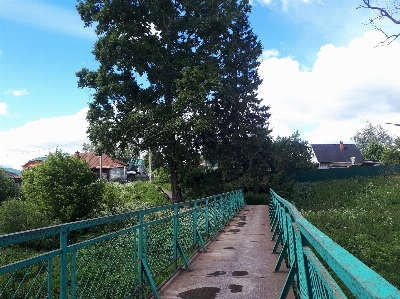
(94, 161)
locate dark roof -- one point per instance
(327, 153)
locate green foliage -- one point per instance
(19, 215)
(189, 69)
(7, 186)
(162, 176)
(240, 141)
(63, 188)
(201, 182)
(362, 215)
(374, 152)
(120, 198)
(371, 134)
(391, 153)
(291, 153)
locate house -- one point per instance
(336, 155)
(111, 169)
(33, 162)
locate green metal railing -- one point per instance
(301, 242)
(128, 255)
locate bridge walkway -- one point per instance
(239, 264)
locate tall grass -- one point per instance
(362, 215)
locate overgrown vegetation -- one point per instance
(362, 215)
(7, 186)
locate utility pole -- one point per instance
(150, 164)
(101, 166)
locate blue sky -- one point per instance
(322, 73)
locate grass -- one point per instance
(362, 215)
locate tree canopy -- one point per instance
(371, 134)
(374, 152)
(291, 153)
(178, 77)
(391, 153)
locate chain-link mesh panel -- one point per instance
(29, 282)
(201, 221)
(107, 269)
(160, 249)
(185, 231)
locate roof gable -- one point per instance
(328, 153)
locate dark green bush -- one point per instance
(19, 215)
(63, 188)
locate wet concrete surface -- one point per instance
(239, 265)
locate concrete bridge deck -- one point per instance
(239, 265)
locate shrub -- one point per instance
(63, 187)
(7, 186)
(19, 215)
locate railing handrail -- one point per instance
(359, 279)
(23, 236)
(186, 231)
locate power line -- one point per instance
(45, 149)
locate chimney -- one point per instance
(77, 154)
(341, 146)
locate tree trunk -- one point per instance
(176, 189)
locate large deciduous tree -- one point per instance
(371, 134)
(160, 76)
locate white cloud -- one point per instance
(17, 93)
(3, 108)
(44, 15)
(270, 53)
(285, 3)
(346, 87)
(38, 138)
(266, 2)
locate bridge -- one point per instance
(215, 247)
